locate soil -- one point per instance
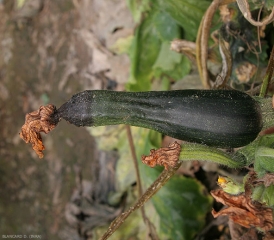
(43, 60)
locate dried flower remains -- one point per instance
(168, 156)
(41, 120)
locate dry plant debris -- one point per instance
(168, 156)
(267, 180)
(36, 122)
(242, 210)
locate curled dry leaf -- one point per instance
(242, 210)
(168, 156)
(41, 120)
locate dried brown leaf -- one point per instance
(168, 156)
(267, 180)
(36, 122)
(240, 232)
(242, 210)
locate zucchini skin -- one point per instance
(220, 118)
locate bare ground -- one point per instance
(44, 59)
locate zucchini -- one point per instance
(220, 118)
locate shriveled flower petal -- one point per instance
(168, 156)
(36, 122)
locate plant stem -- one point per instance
(135, 161)
(149, 224)
(202, 42)
(193, 151)
(155, 187)
(267, 111)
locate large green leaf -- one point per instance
(150, 53)
(166, 27)
(187, 13)
(249, 152)
(182, 206)
(261, 152)
(180, 69)
(143, 53)
(264, 155)
(264, 194)
(167, 59)
(264, 159)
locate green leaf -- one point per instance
(264, 194)
(249, 152)
(181, 205)
(167, 28)
(264, 161)
(268, 196)
(262, 153)
(187, 13)
(144, 52)
(257, 192)
(150, 52)
(167, 59)
(267, 141)
(180, 70)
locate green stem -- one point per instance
(268, 75)
(193, 151)
(267, 111)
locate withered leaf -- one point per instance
(41, 120)
(243, 211)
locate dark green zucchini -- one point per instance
(221, 118)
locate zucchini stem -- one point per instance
(193, 151)
(169, 156)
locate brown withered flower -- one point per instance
(167, 156)
(41, 120)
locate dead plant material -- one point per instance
(168, 156)
(267, 180)
(245, 72)
(41, 120)
(242, 210)
(244, 8)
